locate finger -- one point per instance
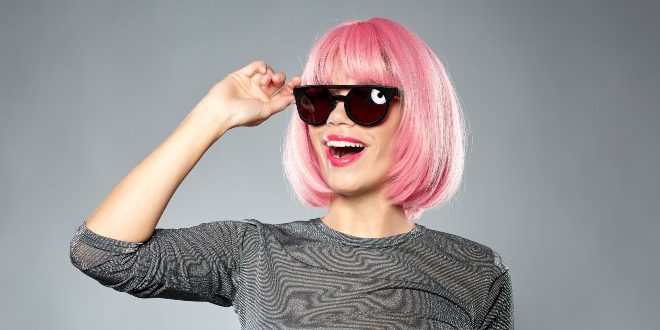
(279, 102)
(261, 78)
(276, 82)
(266, 78)
(254, 67)
(286, 90)
(294, 82)
(279, 79)
(284, 96)
(272, 83)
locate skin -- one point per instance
(247, 97)
(359, 206)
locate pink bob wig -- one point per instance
(429, 149)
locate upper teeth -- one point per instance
(343, 144)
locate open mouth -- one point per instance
(339, 152)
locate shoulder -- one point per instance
(257, 232)
(468, 251)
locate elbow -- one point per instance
(108, 268)
(78, 257)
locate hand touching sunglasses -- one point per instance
(365, 105)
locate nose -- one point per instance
(338, 114)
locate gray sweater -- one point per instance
(306, 275)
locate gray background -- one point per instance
(561, 98)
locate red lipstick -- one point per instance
(335, 137)
(346, 159)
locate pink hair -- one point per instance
(429, 148)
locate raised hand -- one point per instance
(250, 95)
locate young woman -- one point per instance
(377, 138)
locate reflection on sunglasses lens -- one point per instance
(367, 105)
(316, 105)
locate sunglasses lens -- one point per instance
(368, 105)
(314, 105)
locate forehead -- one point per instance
(340, 78)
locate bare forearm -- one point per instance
(131, 211)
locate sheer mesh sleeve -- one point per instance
(497, 310)
(198, 263)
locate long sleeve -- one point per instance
(498, 306)
(198, 263)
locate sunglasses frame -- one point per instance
(389, 91)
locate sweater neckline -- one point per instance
(347, 239)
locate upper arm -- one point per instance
(496, 310)
(197, 263)
(498, 306)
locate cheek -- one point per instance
(317, 147)
(385, 155)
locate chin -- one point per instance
(350, 186)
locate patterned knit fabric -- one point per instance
(306, 275)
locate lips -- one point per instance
(344, 160)
(335, 137)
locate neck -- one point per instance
(366, 215)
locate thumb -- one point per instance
(279, 102)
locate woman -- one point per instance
(365, 264)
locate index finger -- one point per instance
(294, 82)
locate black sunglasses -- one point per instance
(365, 105)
